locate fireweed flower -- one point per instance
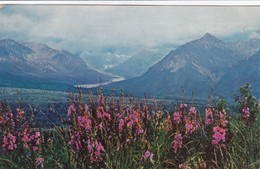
(183, 106)
(177, 143)
(9, 142)
(28, 137)
(71, 109)
(192, 112)
(8, 120)
(218, 136)
(75, 140)
(85, 122)
(191, 123)
(149, 155)
(102, 114)
(246, 113)
(140, 130)
(222, 118)
(190, 126)
(100, 125)
(121, 125)
(146, 154)
(183, 166)
(95, 149)
(130, 124)
(177, 117)
(107, 115)
(209, 116)
(39, 162)
(20, 114)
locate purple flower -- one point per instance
(147, 154)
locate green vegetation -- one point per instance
(115, 133)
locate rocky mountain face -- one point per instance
(246, 70)
(139, 63)
(198, 66)
(40, 63)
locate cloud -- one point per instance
(124, 27)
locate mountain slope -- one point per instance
(102, 61)
(138, 63)
(247, 70)
(196, 66)
(41, 63)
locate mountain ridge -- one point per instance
(196, 66)
(43, 63)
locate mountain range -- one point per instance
(102, 61)
(201, 66)
(39, 64)
(138, 63)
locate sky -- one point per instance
(125, 29)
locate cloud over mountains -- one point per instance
(93, 28)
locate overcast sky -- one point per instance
(124, 28)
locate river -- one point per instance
(116, 79)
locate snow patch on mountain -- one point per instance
(206, 72)
(176, 65)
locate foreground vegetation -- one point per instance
(112, 134)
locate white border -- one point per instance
(136, 3)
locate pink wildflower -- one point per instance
(246, 113)
(100, 112)
(183, 166)
(192, 112)
(100, 125)
(177, 117)
(140, 131)
(37, 134)
(85, 122)
(39, 162)
(145, 108)
(222, 118)
(89, 147)
(147, 154)
(183, 106)
(219, 135)
(190, 126)
(177, 143)
(209, 116)
(100, 147)
(121, 125)
(71, 109)
(107, 115)
(130, 124)
(9, 142)
(100, 115)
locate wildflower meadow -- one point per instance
(109, 132)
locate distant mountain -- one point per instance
(139, 63)
(197, 66)
(42, 64)
(246, 48)
(103, 61)
(246, 70)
